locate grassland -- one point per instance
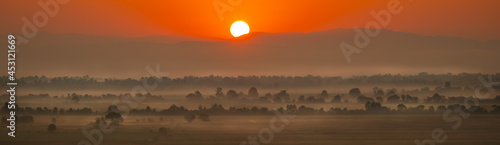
(232, 130)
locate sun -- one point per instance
(239, 28)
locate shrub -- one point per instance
(204, 117)
(52, 128)
(189, 117)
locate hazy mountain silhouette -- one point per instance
(316, 53)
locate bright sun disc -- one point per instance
(239, 28)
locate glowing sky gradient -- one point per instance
(459, 18)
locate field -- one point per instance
(232, 130)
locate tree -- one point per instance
(111, 108)
(291, 108)
(354, 92)
(277, 100)
(204, 117)
(253, 92)
(198, 94)
(336, 99)
(431, 109)
(219, 93)
(52, 128)
(441, 108)
(447, 84)
(362, 99)
(375, 107)
(194, 96)
(391, 92)
(436, 98)
(191, 96)
(116, 118)
(378, 92)
(393, 99)
(283, 96)
(302, 98)
(98, 121)
(231, 94)
(75, 99)
(55, 110)
(420, 107)
(324, 94)
(189, 117)
(402, 107)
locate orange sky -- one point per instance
(126, 18)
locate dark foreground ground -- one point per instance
(232, 130)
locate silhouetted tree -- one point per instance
(198, 94)
(354, 92)
(324, 94)
(441, 108)
(52, 128)
(55, 110)
(231, 94)
(336, 99)
(378, 92)
(277, 100)
(189, 117)
(302, 98)
(194, 96)
(283, 96)
(253, 92)
(362, 99)
(420, 107)
(112, 108)
(402, 107)
(447, 84)
(431, 109)
(375, 107)
(219, 93)
(436, 98)
(393, 99)
(477, 110)
(268, 96)
(116, 118)
(204, 117)
(75, 99)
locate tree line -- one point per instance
(218, 109)
(87, 82)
